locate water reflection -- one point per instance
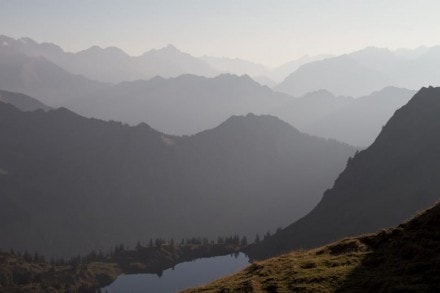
(182, 276)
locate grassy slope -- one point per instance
(403, 258)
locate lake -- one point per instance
(184, 275)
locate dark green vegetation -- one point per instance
(382, 186)
(69, 184)
(402, 259)
(26, 273)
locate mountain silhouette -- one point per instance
(236, 66)
(171, 62)
(172, 105)
(112, 64)
(354, 121)
(341, 75)
(365, 71)
(21, 101)
(380, 187)
(70, 184)
(310, 108)
(42, 79)
(280, 73)
(360, 121)
(183, 105)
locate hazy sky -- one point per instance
(265, 31)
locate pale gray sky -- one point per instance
(264, 31)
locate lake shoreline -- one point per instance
(18, 274)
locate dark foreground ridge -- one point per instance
(402, 259)
(381, 186)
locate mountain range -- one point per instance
(183, 105)
(260, 73)
(353, 74)
(42, 79)
(381, 186)
(172, 105)
(362, 72)
(354, 121)
(112, 65)
(70, 184)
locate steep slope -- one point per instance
(380, 187)
(400, 259)
(183, 105)
(69, 184)
(40, 78)
(21, 101)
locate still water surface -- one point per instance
(184, 275)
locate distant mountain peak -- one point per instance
(93, 49)
(251, 121)
(26, 40)
(374, 49)
(168, 49)
(237, 78)
(321, 94)
(98, 50)
(62, 111)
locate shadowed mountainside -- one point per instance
(380, 187)
(101, 183)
